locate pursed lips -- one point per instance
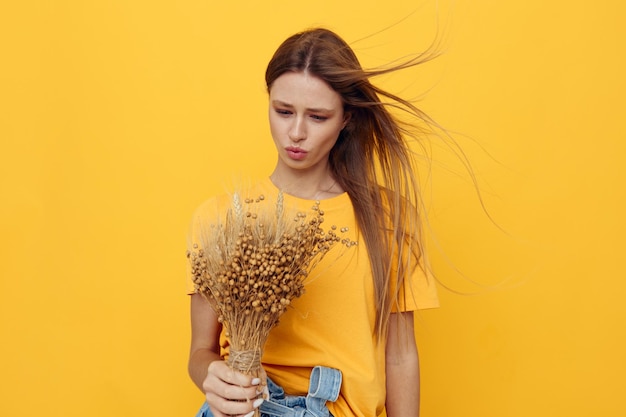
(295, 152)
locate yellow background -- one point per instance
(119, 117)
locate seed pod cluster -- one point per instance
(251, 266)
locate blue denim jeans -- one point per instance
(324, 385)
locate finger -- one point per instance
(236, 392)
(229, 375)
(232, 408)
(237, 378)
(217, 413)
(215, 386)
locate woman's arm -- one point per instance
(205, 333)
(402, 368)
(227, 392)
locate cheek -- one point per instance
(332, 135)
(274, 125)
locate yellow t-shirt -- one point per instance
(333, 323)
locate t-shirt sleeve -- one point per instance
(419, 291)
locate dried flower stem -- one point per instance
(253, 265)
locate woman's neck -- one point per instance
(307, 186)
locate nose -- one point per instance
(297, 130)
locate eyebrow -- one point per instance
(315, 110)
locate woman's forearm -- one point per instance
(403, 389)
(402, 368)
(198, 365)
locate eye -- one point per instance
(319, 118)
(283, 112)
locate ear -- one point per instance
(346, 119)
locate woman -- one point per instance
(350, 336)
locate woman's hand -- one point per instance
(231, 393)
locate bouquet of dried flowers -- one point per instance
(253, 264)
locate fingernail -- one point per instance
(257, 403)
(256, 381)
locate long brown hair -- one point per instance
(371, 160)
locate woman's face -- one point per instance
(306, 116)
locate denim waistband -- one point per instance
(324, 385)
